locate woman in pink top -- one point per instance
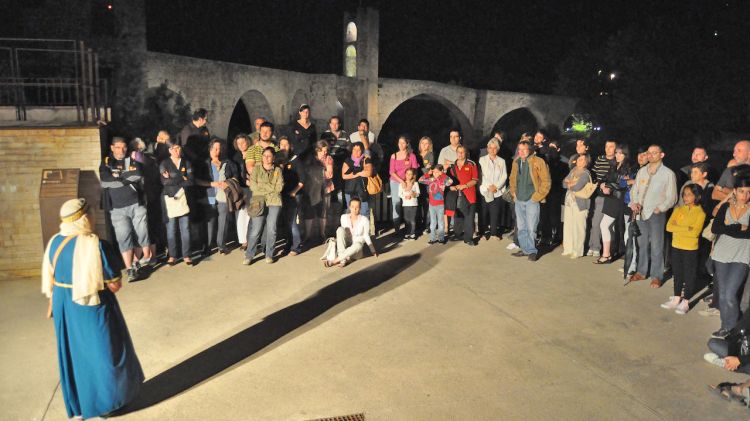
(402, 160)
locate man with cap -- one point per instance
(99, 370)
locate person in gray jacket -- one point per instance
(576, 208)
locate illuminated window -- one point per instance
(350, 65)
(351, 32)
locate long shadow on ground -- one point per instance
(223, 355)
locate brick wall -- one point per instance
(24, 152)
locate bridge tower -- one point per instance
(361, 50)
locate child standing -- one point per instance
(436, 182)
(686, 225)
(408, 192)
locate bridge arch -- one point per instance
(514, 123)
(425, 115)
(251, 105)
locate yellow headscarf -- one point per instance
(88, 277)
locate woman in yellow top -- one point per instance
(686, 225)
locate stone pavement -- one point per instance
(420, 333)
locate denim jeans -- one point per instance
(731, 277)
(395, 204)
(217, 214)
(437, 225)
(527, 219)
(291, 210)
(184, 223)
(720, 347)
(256, 228)
(651, 246)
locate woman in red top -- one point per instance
(465, 177)
(401, 161)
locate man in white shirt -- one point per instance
(651, 197)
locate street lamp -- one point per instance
(611, 76)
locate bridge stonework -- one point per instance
(219, 86)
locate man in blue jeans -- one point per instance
(529, 183)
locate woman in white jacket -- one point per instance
(351, 237)
(492, 187)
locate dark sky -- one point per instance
(500, 44)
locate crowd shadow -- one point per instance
(294, 319)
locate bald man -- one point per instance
(742, 163)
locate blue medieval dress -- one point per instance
(99, 370)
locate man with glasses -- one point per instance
(652, 196)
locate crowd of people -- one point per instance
(189, 195)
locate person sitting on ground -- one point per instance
(731, 252)
(436, 182)
(576, 208)
(686, 225)
(409, 193)
(351, 236)
(727, 352)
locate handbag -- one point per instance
(177, 206)
(586, 191)
(374, 185)
(507, 195)
(257, 206)
(707, 233)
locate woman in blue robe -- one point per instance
(99, 370)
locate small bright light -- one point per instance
(716, 33)
(599, 73)
(611, 76)
(109, 7)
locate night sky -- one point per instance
(511, 44)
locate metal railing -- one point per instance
(52, 73)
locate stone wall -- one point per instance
(24, 153)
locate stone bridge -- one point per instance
(236, 94)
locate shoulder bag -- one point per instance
(177, 206)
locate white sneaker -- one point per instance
(683, 307)
(511, 246)
(714, 359)
(672, 303)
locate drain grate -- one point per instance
(353, 417)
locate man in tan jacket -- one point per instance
(529, 184)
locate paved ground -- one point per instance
(440, 332)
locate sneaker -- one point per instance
(671, 303)
(431, 242)
(533, 257)
(469, 243)
(132, 275)
(683, 307)
(246, 262)
(269, 260)
(519, 253)
(714, 359)
(511, 246)
(720, 334)
(710, 311)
